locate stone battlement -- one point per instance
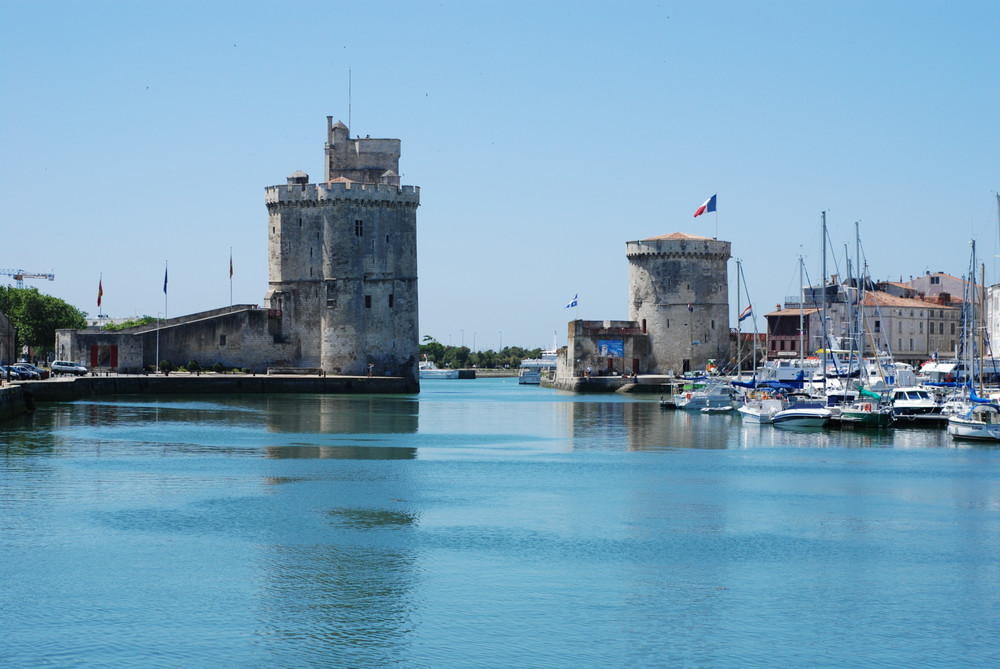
(316, 194)
(679, 248)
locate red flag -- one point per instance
(100, 292)
(230, 265)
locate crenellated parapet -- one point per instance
(680, 247)
(320, 195)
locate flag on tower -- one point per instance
(164, 279)
(747, 313)
(230, 263)
(100, 291)
(573, 303)
(709, 205)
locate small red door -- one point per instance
(114, 356)
(93, 355)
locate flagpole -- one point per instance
(166, 315)
(230, 277)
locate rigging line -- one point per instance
(836, 266)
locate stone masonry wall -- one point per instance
(665, 277)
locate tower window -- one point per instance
(359, 228)
(392, 299)
(368, 301)
(222, 340)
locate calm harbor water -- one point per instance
(486, 524)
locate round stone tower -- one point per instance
(679, 296)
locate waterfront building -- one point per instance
(912, 327)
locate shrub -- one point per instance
(217, 367)
(193, 366)
(166, 366)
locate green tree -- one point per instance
(37, 317)
(457, 356)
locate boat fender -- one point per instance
(868, 407)
(689, 395)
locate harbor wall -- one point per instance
(12, 402)
(66, 390)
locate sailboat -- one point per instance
(980, 419)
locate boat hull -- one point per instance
(802, 417)
(964, 429)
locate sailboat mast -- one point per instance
(982, 330)
(739, 336)
(861, 277)
(802, 299)
(826, 336)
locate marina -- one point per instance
(487, 523)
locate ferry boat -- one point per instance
(531, 370)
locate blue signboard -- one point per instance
(611, 348)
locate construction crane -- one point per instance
(20, 275)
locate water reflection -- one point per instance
(341, 452)
(332, 414)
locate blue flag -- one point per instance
(573, 303)
(164, 280)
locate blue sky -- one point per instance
(543, 136)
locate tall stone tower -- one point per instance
(342, 262)
(679, 295)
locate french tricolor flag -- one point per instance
(709, 205)
(747, 313)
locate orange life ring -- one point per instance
(868, 407)
(689, 395)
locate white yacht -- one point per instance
(802, 413)
(914, 405)
(531, 370)
(981, 422)
(428, 370)
(760, 407)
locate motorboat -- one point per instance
(802, 412)
(866, 414)
(914, 405)
(760, 407)
(714, 395)
(981, 422)
(428, 370)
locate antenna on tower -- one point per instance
(348, 97)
